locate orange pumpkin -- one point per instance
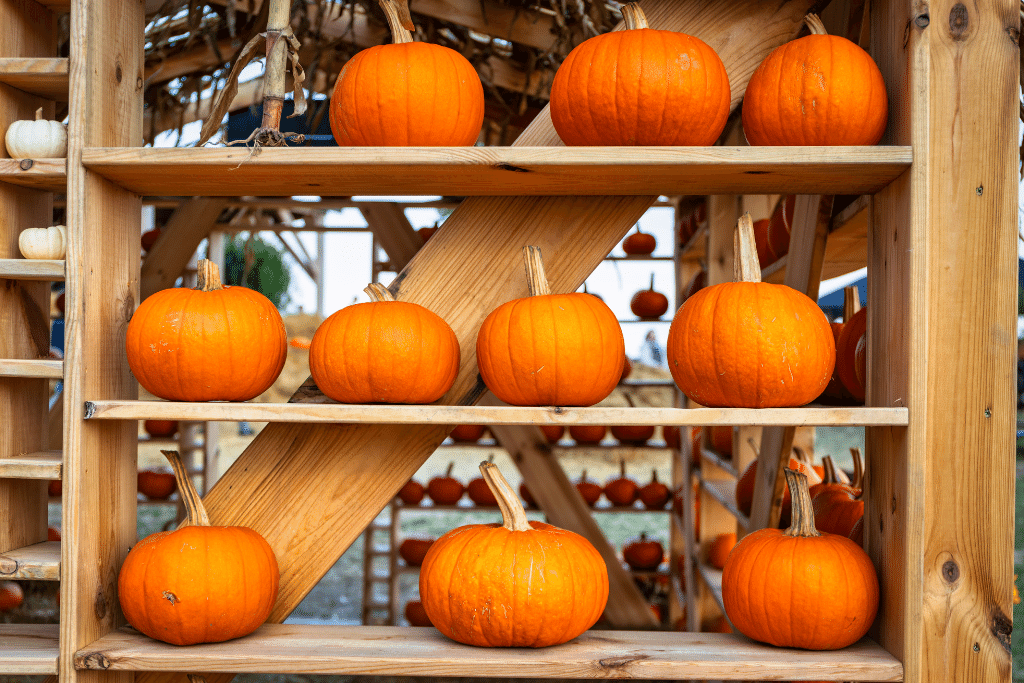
(846, 353)
(721, 440)
(590, 491)
(621, 491)
(54, 488)
(640, 87)
(635, 435)
(384, 351)
(415, 614)
(765, 255)
(643, 554)
(11, 596)
(413, 550)
(745, 486)
(407, 94)
(639, 243)
(156, 485)
(687, 227)
(160, 428)
(550, 349)
(837, 507)
(720, 548)
(587, 435)
(200, 583)
(149, 238)
(411, 492)
(718, 625)
(648, 304)
(426, 233)
(445, 490)
(553, 433)
(800, 588)
(184, 344)
(627, 368)
(654, 495)
(750, 344)
(52, 534)
(299, 342)
(519, 584)
(816, 90)
(467, 433)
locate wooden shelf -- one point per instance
(515, 171)
(29, 649)
(40, 174)
(39, 562)
(724, 491)
(41, 369)
(712, 578)
(478, 508)
(440, 414)
(719, 461)
(32, 269)
(410, 651)
(42, 465)
(46, 77)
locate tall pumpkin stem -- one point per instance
(208, 276)
(654, 476)
(448, 471)
(622, 467)
(745, 267)
(851, 302)
(378, 292)
(399, 32)
(652, 282)
(858, 469)
(815, 25)
(803, 512)
(195, 513)
(536, 280)
(830, 471)
(634, 17)
(39, 114)
(513, 516)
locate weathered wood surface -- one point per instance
(28, 649)
(31, 269)
(40, 369)
(41, 465)
(37, 562)
(37, 174)
(46, 77)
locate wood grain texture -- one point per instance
(45, 369)
(31, 269)
(46, 77)
(403, 651)
(723, 490)
(49, 175)
(28, 649)
(37, 562)
(189, 225)
(712, 580)
(494, 171)
(42, 465)
(393, 231)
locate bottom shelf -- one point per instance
(28, 649)
(397, 651)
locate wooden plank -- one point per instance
(720, 462)
(38, 562)
(42, 465)
(941, 339)
(712, 579)
(43, 369)
(32, 269)
(39, 174)
(404, 651)
(28, 649)
(498, 171)
(392, 229)
(43, 76)
(439, 414)
(846, 249)
(190, 223)
(724, 492)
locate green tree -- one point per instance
(254, 263)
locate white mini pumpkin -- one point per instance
(37, 139)
(44, 243)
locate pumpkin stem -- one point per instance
(513, 515)
(208, 277)
(448, 472)
(654, 476)
(815, 25)
(195, 513)
(399, 28)
(745, 267)
(378, 292)
(858, 469)
(802, 511)
(583, 475)
(851, 302)
(652, 282)
(535, 278)
(634, 17)
(622, 467)
(643, 536)
(39, 114)
(830, 471)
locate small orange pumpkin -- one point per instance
(527, 497)
(627, 368)
(590, 491)
(480, 493)
(621, 491)
(816, 90)
(654, 495)
(837, 508)
(553, 433)
(720, 548)
(299, 342)
(11, 596)
(149, 238)
(750, 344)
(52, 533)
(836, 391)
(445, 490)
(639, 243)
(384, 351)
(413, 550)
(426, 233)
(160, 428)
(587, 435)
(407, 94)
(415, 614)
(519, 584)
(634, 435)
(156, 485)
(200, 583)
(411, 492)
(721, 440)
(640, 86)
(781, 225)
(550, 349)
(648, 304)
(467, 433)
(183, 344)
(643, 554)
(54, 488)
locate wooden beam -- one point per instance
(392, 229)
(516, 24)
(190, 223)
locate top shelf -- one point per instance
(492, 171)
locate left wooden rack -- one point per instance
(40, 174)
(31, 269)
(46, 77)
(38, 562)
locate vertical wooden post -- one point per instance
(102, 285)
(941, 339)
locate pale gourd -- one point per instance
(39, 139)
(44, 243)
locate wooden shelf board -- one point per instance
(41, 369)
(32, 269)
(440, 414)
(29, 649)
(720, 461)
(42, 465)
(489, 171)
(724, 491)
(40, 174)
(495, 510)
(409, 651)
(712, 578)
(46, 77)
(39, 562)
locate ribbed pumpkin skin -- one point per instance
(484, 585)
(407, 94)
(816, 90)
(223, 345)
(751, 345)
(384, 352)
(640, 87)
(223, 581)
(776, 588)
(551, 350)
(846, 353)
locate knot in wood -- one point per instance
(93, 660)
(25, 164)
(118, 73)
(950, 571)
(1002, 627)
(620, 662)
(99, 606)
(959, 21)
(922, 21)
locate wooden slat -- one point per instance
(38, 174)
(41, 369)
(32, 269)
(393, 231)
(42, 465)
(846, 249)
(516, 171)
(397, 651)
(712, 579)
(43, 76)
(39, 562)
(719, 461)
(28, 649)
(488, 415)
